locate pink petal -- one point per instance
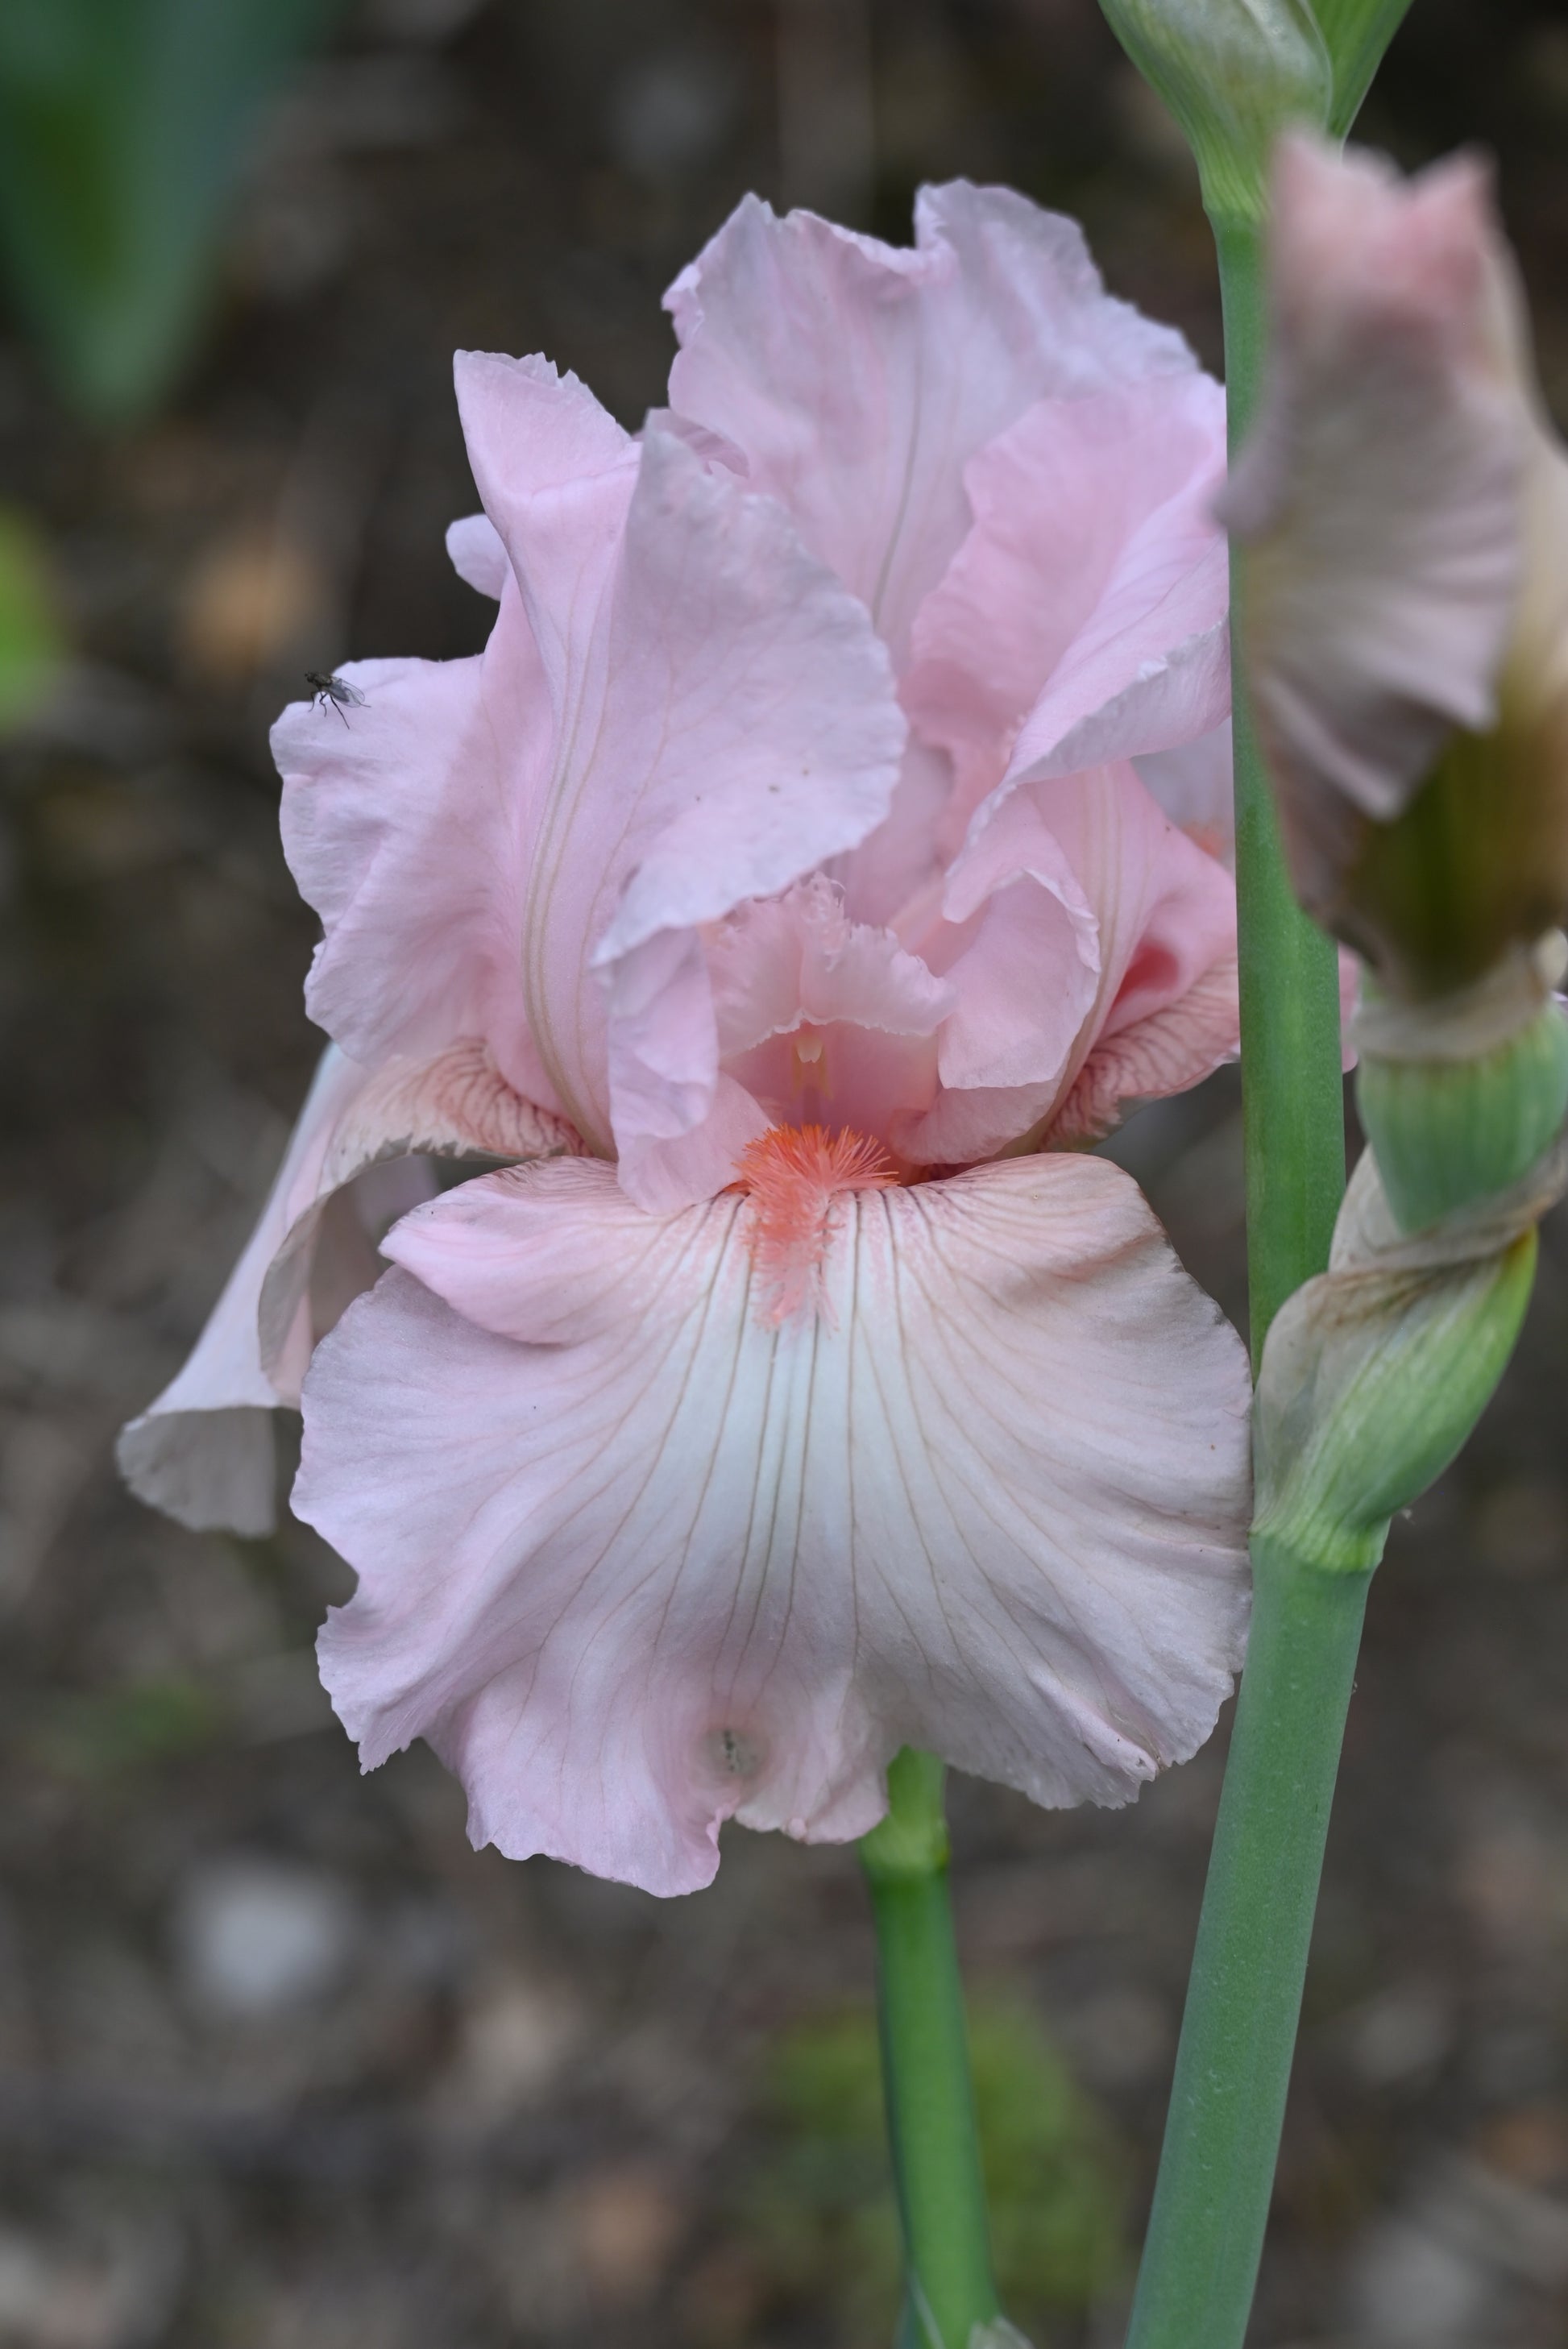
(635, 1562)
(556, 473)
(203, 1450)
(678, 710)
(456, 1105)
(722, 721)
(1027, 967)
(1194, 786)
(1382, 486)
(823, 1019)
(478, 553)
(684, 1122)
(860, 378)
(1084, 617)
(904, 857)
(1349, 996)
(1164, 931)
(1173, 1014)
(797, 960)
(669, 1171)
(766, 700)
(403, 831)
(358, 1158)
(1157, 1054)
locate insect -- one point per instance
(334, 692)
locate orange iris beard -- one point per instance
(793, 1172)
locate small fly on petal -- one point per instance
(793, 1174)
(331, 691)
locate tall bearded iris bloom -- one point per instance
(830, 832)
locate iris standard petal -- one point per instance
(720, 718)
(1083, 618)
(860, 378)
(405, 833)
(1146, 927)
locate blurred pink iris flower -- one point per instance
(828, 845)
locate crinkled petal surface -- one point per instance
(1083, 618)
(859, 379)
(634, 1562)
(679, 708)
(403, 831)
(825, 1019)
(358, 1159)
(723, 720)
(1097, 915)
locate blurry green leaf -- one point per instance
(1052, 2171)
(123, 126)
(31, 639)
(100, 1737)
(821, 2211)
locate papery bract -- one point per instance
(796, 839)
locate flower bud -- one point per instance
(1375, 1373)
(1460, 1099)
(1405, 508)
(1232, 72)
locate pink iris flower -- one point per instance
(828, 844)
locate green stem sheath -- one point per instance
(1227, 2104)
(926, 2065)
(1244, 2000)
(1293, 1104)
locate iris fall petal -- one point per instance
(636, 1560)
(358, 1157)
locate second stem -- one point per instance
(926, 2065)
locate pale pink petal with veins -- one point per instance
(637, 1556)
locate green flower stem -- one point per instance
(1211, 2205)
(1292, 1102)
(926, 2065)
(1243, 2002)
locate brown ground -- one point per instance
(283, 2065)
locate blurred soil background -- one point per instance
(283, 2064)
